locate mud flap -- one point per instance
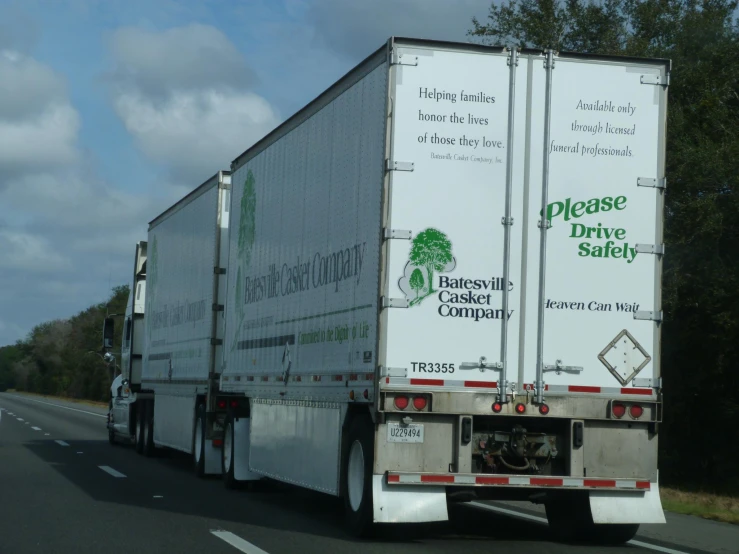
(241, 451)
(212, 458)
(407, 504)
(627, 507)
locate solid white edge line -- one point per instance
(237, 542)
(58, 406)
(20, 419)
(36, 428)
(109, 470)
(521, 515)
(61, 443)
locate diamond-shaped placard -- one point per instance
(624, 357)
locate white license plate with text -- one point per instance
(404, 433)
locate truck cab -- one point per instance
(126, 386)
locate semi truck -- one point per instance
(439, 281)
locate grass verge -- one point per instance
(50, 397)
(701, 504)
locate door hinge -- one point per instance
(558, 368)
(392, 165)
(658, 249)
(403, 59)
(648, 316)
(647, 382)
(216, 342)
(397, 234)
(654, 183)
(217, 307)
(652, 79)
(394, 302)
(219, 270)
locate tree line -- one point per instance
(62, 357)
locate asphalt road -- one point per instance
(65, 490)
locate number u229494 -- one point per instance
(431, 367)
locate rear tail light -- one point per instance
(221, 403)
(520, 408)
(618, 410)
(543, 409)
(419, 402)
(497, 407)
(234, 403)
(401, 402)
(636, 411)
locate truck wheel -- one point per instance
(198, 451)
(571, 521)
(357, 477)
(147, 435)
(111, 432)
(227, 455)
(138, 428)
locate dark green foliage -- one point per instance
(701, 297)
(55, 358)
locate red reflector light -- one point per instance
(636, 411)
(401, 402)
(520, 408)
(365, 393)
(221, 404)
(234, 403)
(618, 410)
(217, 442)
(497, 407)
(543, 409)
(419, 402)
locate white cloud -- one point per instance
(184, 95)
(37, 122)
(196, 132)
(24, 251)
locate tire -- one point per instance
(227, 455)
(147, 435)
(571, 521)
(357, 477)
(138, 428)
(198, 446)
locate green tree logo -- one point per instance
(245, 243)
(416, 281)
(431, 252)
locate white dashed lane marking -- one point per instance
(110, 471)
(237, 542)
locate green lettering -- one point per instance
(550, 210)
(607, 204)
(584, 249)
(620, 203)
(578, 207)
(593, 206)
(567, 209)
(578, 230)
(620, 234)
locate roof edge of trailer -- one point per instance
(189, 197)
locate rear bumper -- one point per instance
(510, 481)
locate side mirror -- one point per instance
(108, 332)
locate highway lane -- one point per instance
(65, 489)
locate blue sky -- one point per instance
(111, 110)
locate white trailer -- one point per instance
(168, 384)
(443, 282)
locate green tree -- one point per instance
(247, 222)
(700, 334)
(416, 281)
(433, 250)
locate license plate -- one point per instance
(404, 433)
